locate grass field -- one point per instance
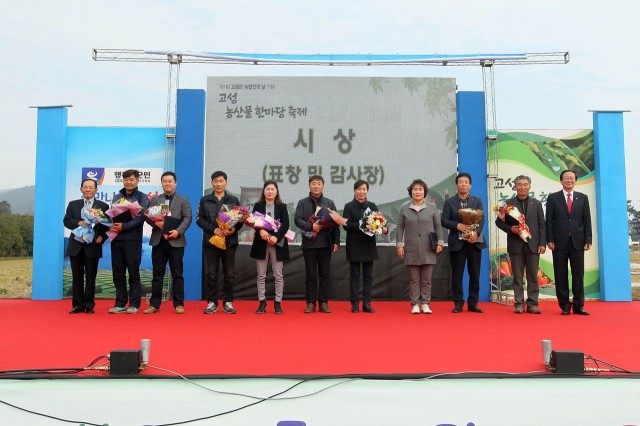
(15, 278)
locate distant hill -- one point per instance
(21, 199)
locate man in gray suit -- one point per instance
(168, 242)
(525, 256)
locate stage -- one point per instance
(42, 335)
(299, 369)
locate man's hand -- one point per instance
(541, 249)
(83, 223)
(335, 248)
(173, 234)
(116, 227)
(463, 228)
(219, 232)
(228, 232)
(587, 246)
(516, 230)
(99, 239)
(160, 224)
(551, 246)
(316, 227)
(400, 251)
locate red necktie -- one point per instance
(569, 202)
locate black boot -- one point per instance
(262, 308)
(366, 307)
(277, 307)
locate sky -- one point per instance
(47, 59)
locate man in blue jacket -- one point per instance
(126, 248)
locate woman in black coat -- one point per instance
(361, 248)
(269, 245)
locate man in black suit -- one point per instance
(525, 255)
(84, 257)
(568, 236)
(465, 244)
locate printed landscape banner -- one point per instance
(112, 151)
(542, 155)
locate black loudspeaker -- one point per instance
(125, 363)
(567, 362)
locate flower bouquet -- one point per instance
(471, 217)
(258, 220)
(227, 219)
(372, 222)
(325, 217)
(505, 211)
(86, 234)
(122, 211)
(158, 212)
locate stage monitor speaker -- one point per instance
(125, 362)
(567, 362)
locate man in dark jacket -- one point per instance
(525, 256)
(317, 250)
(126, 248)
(207, 214)
(84, 256)
(465, 244)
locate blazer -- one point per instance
(534, 218)
(450, 220)
(412, 231)
(360, 246)
(326, 237)
(259, 246)
(561, 224)
(71, 218)
(179, 208)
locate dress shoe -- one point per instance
(277, 307)
(366, 307)
(179, 309)
(90, 311)
(475, 309)
(354, 308)
(151, 310)
(519, 310)
(457, 309)
(580, 311)
(533, 310)
(262, 308)
(324, 308)
(311, 308)
(76, 311)
(566, 311)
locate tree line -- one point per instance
(16, 233)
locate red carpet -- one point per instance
(41, 334)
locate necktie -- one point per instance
(87, 204)
(569, 202)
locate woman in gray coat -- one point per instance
(416, 220)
